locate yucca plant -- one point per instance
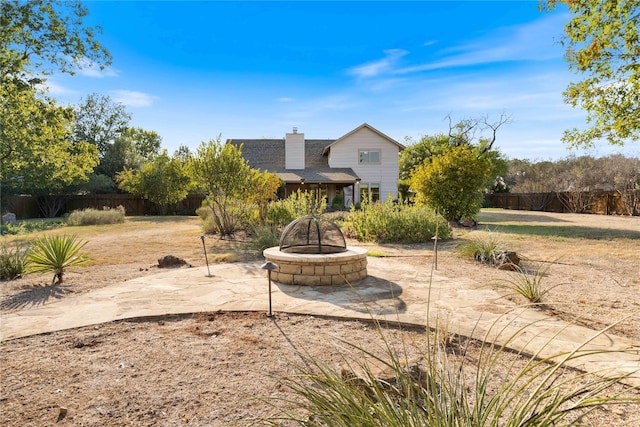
(528, 283)
(54, 254)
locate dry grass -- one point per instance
(206, 369)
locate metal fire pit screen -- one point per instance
(311, 235)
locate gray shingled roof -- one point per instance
(269, 154)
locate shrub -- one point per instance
(528, 283)
(301, 203)
(446, 388)
(92, 216)
(338, 202)
(265, 237)
(395, 222)
(55, 254)
(236, 215)
(485, 248)
(12, 262)
(29, 226)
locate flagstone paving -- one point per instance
(393, 291)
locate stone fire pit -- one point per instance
(313, 252)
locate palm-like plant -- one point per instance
(54, 254)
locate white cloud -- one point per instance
(285, 99)
(90, 69)
(57, 89)
(533, 41)
(384, 65)
(132, 98)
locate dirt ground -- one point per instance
(225, 369)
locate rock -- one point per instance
(508, 261)
(9, 218)
(171, 261)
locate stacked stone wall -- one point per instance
(318, 269)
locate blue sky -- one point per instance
(193, 70)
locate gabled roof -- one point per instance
(362, 126)
(269, 154)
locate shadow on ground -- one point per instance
(373, 295)
(32, 296)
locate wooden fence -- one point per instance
(604, 202)
(27, 206)
(601, 202)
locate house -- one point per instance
(362, 163)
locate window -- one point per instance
(369, 192)
(369, 157)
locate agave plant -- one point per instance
(54, 254)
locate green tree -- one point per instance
(603, 44)
(453, 183)
(232, 188)
(129, 151)
(264, 185)
(478, 133)
(38, 37)
(100, 121)
(162, 180)
(37, 153)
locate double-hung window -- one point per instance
(369, 157)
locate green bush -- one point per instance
(92, 216)
(485, 247)
(301, 203)
(54, 254)
(12, 262)
(264, 237)
(29, 226)
(394, 222)
(338, 202)
(235, 216)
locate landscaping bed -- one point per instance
(215, 369)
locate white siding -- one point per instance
(294, 151)
(344, 154)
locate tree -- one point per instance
(36, 38)
(416, 154)
(37, 153)
(603, 44)
(100, 121)
(624, 177)
(264, 187)
(453, 183)
(468, 132)
(536, 181)
(577, 180)
(221, 172)
(129, 151)
(230, 185)
(40, 36)
(162, 180)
